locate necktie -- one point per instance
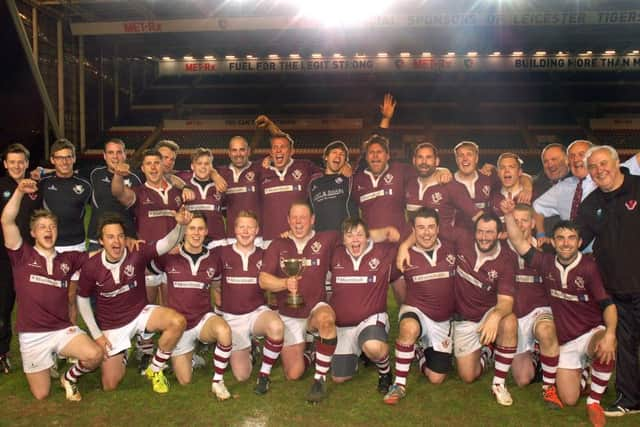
(577, 198)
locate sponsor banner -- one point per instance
(615, 124)
(397, 64)
(438, 20)
(248, 124)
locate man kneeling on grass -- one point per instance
(190, 274)
(580, 306)
(41, 277)
(427, 312)
(360, 274)
(115, 277)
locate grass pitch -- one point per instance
(356, 403)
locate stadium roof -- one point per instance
(221, 27)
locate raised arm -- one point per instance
(183, 217)
(12, 237)
(387, 109)
(124, 194)
(515, 234)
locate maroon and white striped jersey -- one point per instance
(530, 291)
(154, 210)
(243, 192)
(431, 281)
(209, 202)
(480, 191)
(118, 288)
(189, 282)
(241, 292)
(481, 277)
(574, 292)
(42, 287)
(381, 198)
(451, 201)
(316, 258)
(360, 285)
(279, 189)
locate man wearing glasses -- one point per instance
(66, 195)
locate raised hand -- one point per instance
(122, 169)
(183, 216)
(27, 186)
(388, 106)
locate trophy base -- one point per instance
(295, 301)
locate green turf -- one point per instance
(356, 403)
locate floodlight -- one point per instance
(209, 57)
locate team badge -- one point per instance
(493, 275)
(250, 176)
(211, 272)
(436, 197)
(374, 263)
(178, 200)
(297, 174)
(64, 267)
(338, 180)
(259, 264)
(631, 204)
(6, 194)
(129, 270)
(106, 180)
(217, 196)
(388, 178)
(451, 259)
(579, 281)
(33, 196)
(78, 189)
(316, 247)
(486, 190)
(127, 182)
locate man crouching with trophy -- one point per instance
(295, 269)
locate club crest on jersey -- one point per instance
(65, 267)
(492, 274)
(451, 259)
(250, 176)
(338, 180)
(486, 190)
(579, 281)
(388, 178)
(436, 197)
(129, 270)
(315, 248)
(211, 272)
(259, 264)
(631, 204)
(297, 174)
(78, 189)
(178, 200)
(217, 196)
(6, 194)
(374, 263)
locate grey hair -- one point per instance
(584, 141)
(612, 152)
